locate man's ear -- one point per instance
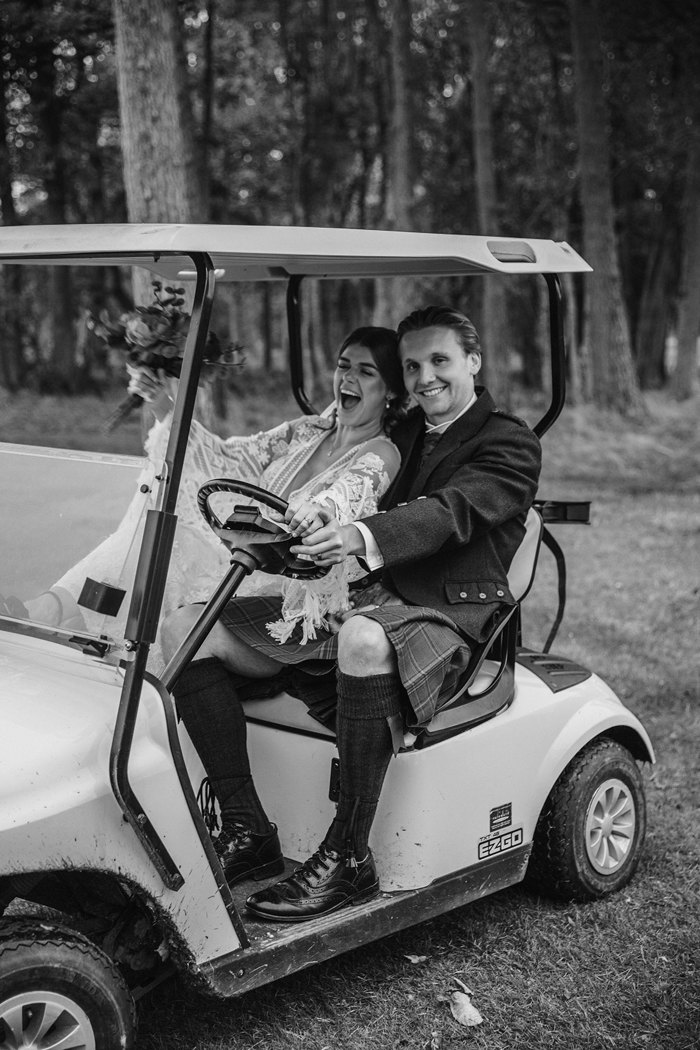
(474, 362)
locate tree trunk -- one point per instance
(394, 298)
(685, 372)
(156, 120)
(11, 361)
(613, 378)
(208, 102)
(654, 309)
(50, 109)
(493, 324)
(158, 148)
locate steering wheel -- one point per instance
(247, 529)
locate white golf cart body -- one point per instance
(98, 777)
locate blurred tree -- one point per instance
(613, 381)
(493, 321)
(395, 298)
(161, 173)
(12, 364)
(685, 372)
(50, 54)
(360, 113)
(158, 146)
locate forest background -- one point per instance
(541, 118)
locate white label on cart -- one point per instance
(496, 844)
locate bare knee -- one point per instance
(364, 649)
(176, 626)
(219, 642)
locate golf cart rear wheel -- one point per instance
(58, 989)
(590, 833)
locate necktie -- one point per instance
(429, 442)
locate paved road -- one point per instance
(54, 509)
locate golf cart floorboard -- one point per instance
(279, 949)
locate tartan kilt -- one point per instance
(431, 653)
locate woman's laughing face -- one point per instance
(359, 390)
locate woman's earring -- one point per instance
(387, 403)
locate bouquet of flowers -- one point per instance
(154, 337)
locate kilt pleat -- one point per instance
(431, 653)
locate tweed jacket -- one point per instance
(447, 530)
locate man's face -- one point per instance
(437, 372)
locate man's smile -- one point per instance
(433, 391)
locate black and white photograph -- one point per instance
(349, 525)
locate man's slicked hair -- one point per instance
(443, 317)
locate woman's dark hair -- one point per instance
(443, 317)
(383, 345)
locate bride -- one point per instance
(339, 464)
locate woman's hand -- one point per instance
(306, 518)
(150, 386)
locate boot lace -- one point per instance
(207, 804)
(313, 868)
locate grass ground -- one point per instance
(622, 973)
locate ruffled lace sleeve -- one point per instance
(357, 491)
(242, 457)
(354, 492)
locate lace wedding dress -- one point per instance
(272, 459)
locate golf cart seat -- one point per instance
(489, 682)
(488, 685)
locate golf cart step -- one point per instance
(267, 957)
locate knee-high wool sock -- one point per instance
(364, 749)
(211, 711)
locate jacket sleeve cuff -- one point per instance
(372, 557)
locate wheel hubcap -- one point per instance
(42, 1020)
(610, 825)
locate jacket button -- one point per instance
(482, 595)
(499, 593)
(463, 594)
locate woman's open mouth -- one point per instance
(348, 399)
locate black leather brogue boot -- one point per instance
(244, 854)
(326, 882)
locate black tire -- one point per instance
(53, 981)
(589, 837)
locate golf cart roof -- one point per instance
(254, 253)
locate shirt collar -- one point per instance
(440, 428)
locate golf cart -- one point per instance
(109, 882)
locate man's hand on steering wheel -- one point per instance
(331, 544)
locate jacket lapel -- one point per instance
(464, 428)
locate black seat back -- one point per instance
(489, 682)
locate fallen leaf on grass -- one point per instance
(461, 1006)
(416, 958)
(463, 1011)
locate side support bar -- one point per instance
(296, 352)
(145, 607)
(557, 355)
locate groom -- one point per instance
(442, 545)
